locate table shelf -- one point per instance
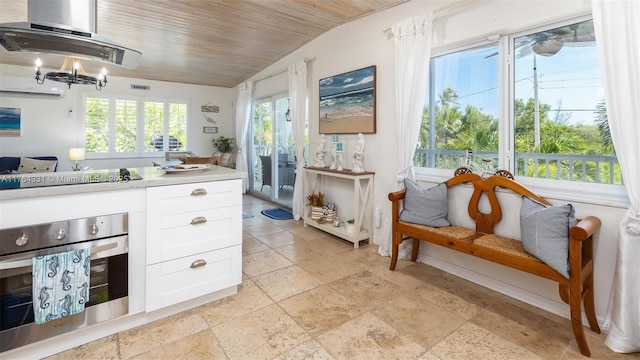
(362, 197)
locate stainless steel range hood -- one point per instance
(65, 27)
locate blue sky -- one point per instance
(571, 76)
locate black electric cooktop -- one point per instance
(23, 181)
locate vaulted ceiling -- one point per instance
(207, 42)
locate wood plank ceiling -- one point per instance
(218, 43)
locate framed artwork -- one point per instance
(348, 102)
(210, 129)
(210, 107)
(9, 121)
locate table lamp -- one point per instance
(76, 154)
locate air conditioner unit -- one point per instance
(22, 86)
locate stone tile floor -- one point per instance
(308, 295)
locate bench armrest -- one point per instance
(397, 195)
(395, 198)
(584, 228)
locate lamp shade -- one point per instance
(76, 154)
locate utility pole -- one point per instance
(536, 109)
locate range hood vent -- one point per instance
(65, 27)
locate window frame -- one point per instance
(603, 194)
(140, 131)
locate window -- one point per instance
(153, 124)
(126, 126)
(461, 108)
(556, 127)
(97, 125)
(117, 127)
(178, 126)
(561, 129)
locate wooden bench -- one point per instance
(481, 242)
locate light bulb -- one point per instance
(104, 72)
(100, 77)
(38, 62)
(76, 65)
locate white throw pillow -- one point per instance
(28, 165)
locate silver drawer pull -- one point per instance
(198, 263)
(198, 220)
(199, 191)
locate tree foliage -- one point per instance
(470, 128)
(460, 129)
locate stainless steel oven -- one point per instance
(106, 236)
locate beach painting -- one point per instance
(348, 102)
(9, 121)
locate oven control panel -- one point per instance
(57, 233)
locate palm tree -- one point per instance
(448, 98)
(602, 122)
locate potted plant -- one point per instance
(223, 148)
(351, 226)
(223, 144)
(319, 209)
(316, 199)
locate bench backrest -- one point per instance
(486, 221)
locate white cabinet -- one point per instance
(362, 185)
(194, 241)
(185, 278)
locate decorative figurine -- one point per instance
(339, 161)
(334, 149)
(320, 151)
(358, 155)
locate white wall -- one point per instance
(52, 126)
(363, 43)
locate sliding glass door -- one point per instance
(272, 157)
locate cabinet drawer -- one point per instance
(176, 199)
(174, 236)
(179, 280)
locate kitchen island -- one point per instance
(184, 237)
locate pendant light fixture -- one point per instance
(70, 73)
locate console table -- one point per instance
(362, 197)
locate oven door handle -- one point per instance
(8, 265)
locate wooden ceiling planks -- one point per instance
(218, 43)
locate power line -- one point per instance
(478, 92)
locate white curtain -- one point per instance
(298, 107)
(617, 29)
(412, 39)
(243, 112)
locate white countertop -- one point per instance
(151, 176)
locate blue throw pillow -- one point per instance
(545, 232)
(425, 207)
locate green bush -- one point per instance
(223, 144)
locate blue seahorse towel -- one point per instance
(60, 284)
